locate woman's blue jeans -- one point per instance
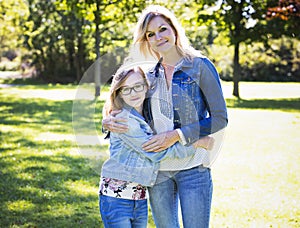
(123, 213)
(194, 189)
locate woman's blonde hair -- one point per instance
(115, 102)
(140, 40)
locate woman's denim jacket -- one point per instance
(127, 159)
(198, 103)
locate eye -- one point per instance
(162, 29)
(139, 87)
(150, 34)
(125, 90)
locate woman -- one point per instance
(186, 93)
(129, 170)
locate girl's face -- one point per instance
(160, 35)
(133, 91)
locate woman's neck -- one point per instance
(171, 58)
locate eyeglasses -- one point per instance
(137, 88)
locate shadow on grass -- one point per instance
(38, 195)
(287, 104)
(42, 184)
(36, 112)
(51, 115)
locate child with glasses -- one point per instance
(130, 170)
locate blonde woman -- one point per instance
(186, 104)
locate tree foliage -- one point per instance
(12, 14)
(64, 37)
(235, 18)
(61, 34)
(285, 14)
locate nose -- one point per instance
(157, 36)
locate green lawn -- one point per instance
(47, 181)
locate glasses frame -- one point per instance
(132, 88)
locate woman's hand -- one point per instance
(206, 142)
(161, 141)
(115, 124)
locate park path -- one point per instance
(11, 75)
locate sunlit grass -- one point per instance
(47, 181)
(256, 175)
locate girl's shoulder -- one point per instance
(124, 114)
(129, 113)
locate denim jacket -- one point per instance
(127, 159)
(198, 103)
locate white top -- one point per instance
(163, 115)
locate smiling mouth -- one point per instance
(162, 43)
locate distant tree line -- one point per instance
(62, 38)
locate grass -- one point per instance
(46, 180)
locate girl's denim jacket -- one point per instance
(128, 161)
(198, 103)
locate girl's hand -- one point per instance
(206, 142)
(115, 124)
(161, 141)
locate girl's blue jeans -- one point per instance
(123, 213)
(193, 187)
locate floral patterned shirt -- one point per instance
(122, 189)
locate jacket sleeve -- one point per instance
(210, 86)
(139, 132)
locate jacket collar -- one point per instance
(184, 63)
(132, 111)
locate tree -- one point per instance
(106, 29)
(65, 37)
(237, 19)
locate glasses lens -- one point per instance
(138, 88)
(126, 91)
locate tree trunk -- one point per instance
(80, 55)
(236, 71)
(97, 48)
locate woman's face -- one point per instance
(133, 90)
(160, 35)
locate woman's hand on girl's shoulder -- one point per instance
(115, 124)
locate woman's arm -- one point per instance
(164, 140)
(139, 132)
(217, 120)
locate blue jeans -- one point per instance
(193, 187)
(123, 213)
